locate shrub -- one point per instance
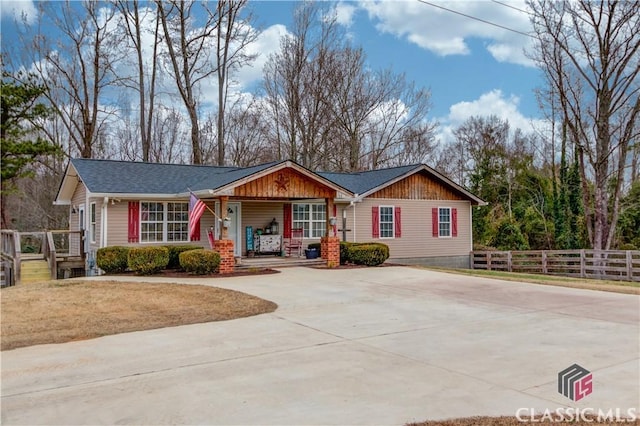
(369, 254)
(148, 260)
(199, 262)
(344, 251)
(174, 254)
(113, 260)
(628, 246)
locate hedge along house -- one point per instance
(421, 215)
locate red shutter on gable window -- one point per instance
(434, 223)
(375, 222)
(287, 220)
(398, 222)
(134, 221)
(454, 222)
(196, 232)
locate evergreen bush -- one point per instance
(113, 259)
(148, 260)
(174, 254)
(199, 261)
(369, 254)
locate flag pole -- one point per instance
(205, 204)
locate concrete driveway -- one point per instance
(360, 346)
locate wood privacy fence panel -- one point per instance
(621, 265)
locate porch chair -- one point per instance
(295, 242)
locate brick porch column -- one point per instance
(227, 258)
(330, 249)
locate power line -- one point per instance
(512, 7)
(476, 18)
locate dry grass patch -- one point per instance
(626, 287)
(63, 311)
(513, 421)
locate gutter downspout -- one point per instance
(352, 204)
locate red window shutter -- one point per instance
(375, 222)
(196, 232)
(398, 222)
(434, 222)
(287, 220)
(134, 221)
(335, 214)
(454, 222)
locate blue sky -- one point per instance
(471, 68)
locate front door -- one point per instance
(234, 232)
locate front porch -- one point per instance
(248, 263)
(255, 215)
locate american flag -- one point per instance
(196, 208)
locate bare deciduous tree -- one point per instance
(134, 16)
(590, 54)
(78, 67)
(232, 39)
(189, 54)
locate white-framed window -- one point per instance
(312, 218)
(444, 221)
(163, 221)
(177, 222)
(92, 222)
(386, 222)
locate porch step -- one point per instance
(32, 271)
(277, 262)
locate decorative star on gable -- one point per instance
(282, 182)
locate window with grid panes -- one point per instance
(164, 222)
(444, 221)
(312, 218)
(386, 222)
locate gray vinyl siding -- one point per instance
(417, 239)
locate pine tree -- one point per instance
(21, 147)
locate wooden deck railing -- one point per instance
(621, 265)
(53, 246)
(10, 254)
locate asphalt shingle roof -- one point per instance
(362, 182)
(125, 177)
(107, 176)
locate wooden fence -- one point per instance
(621, 265)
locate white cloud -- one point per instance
(490, 103)
(344, 13)
(268, 42)
(19, 9)
(445, 33)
